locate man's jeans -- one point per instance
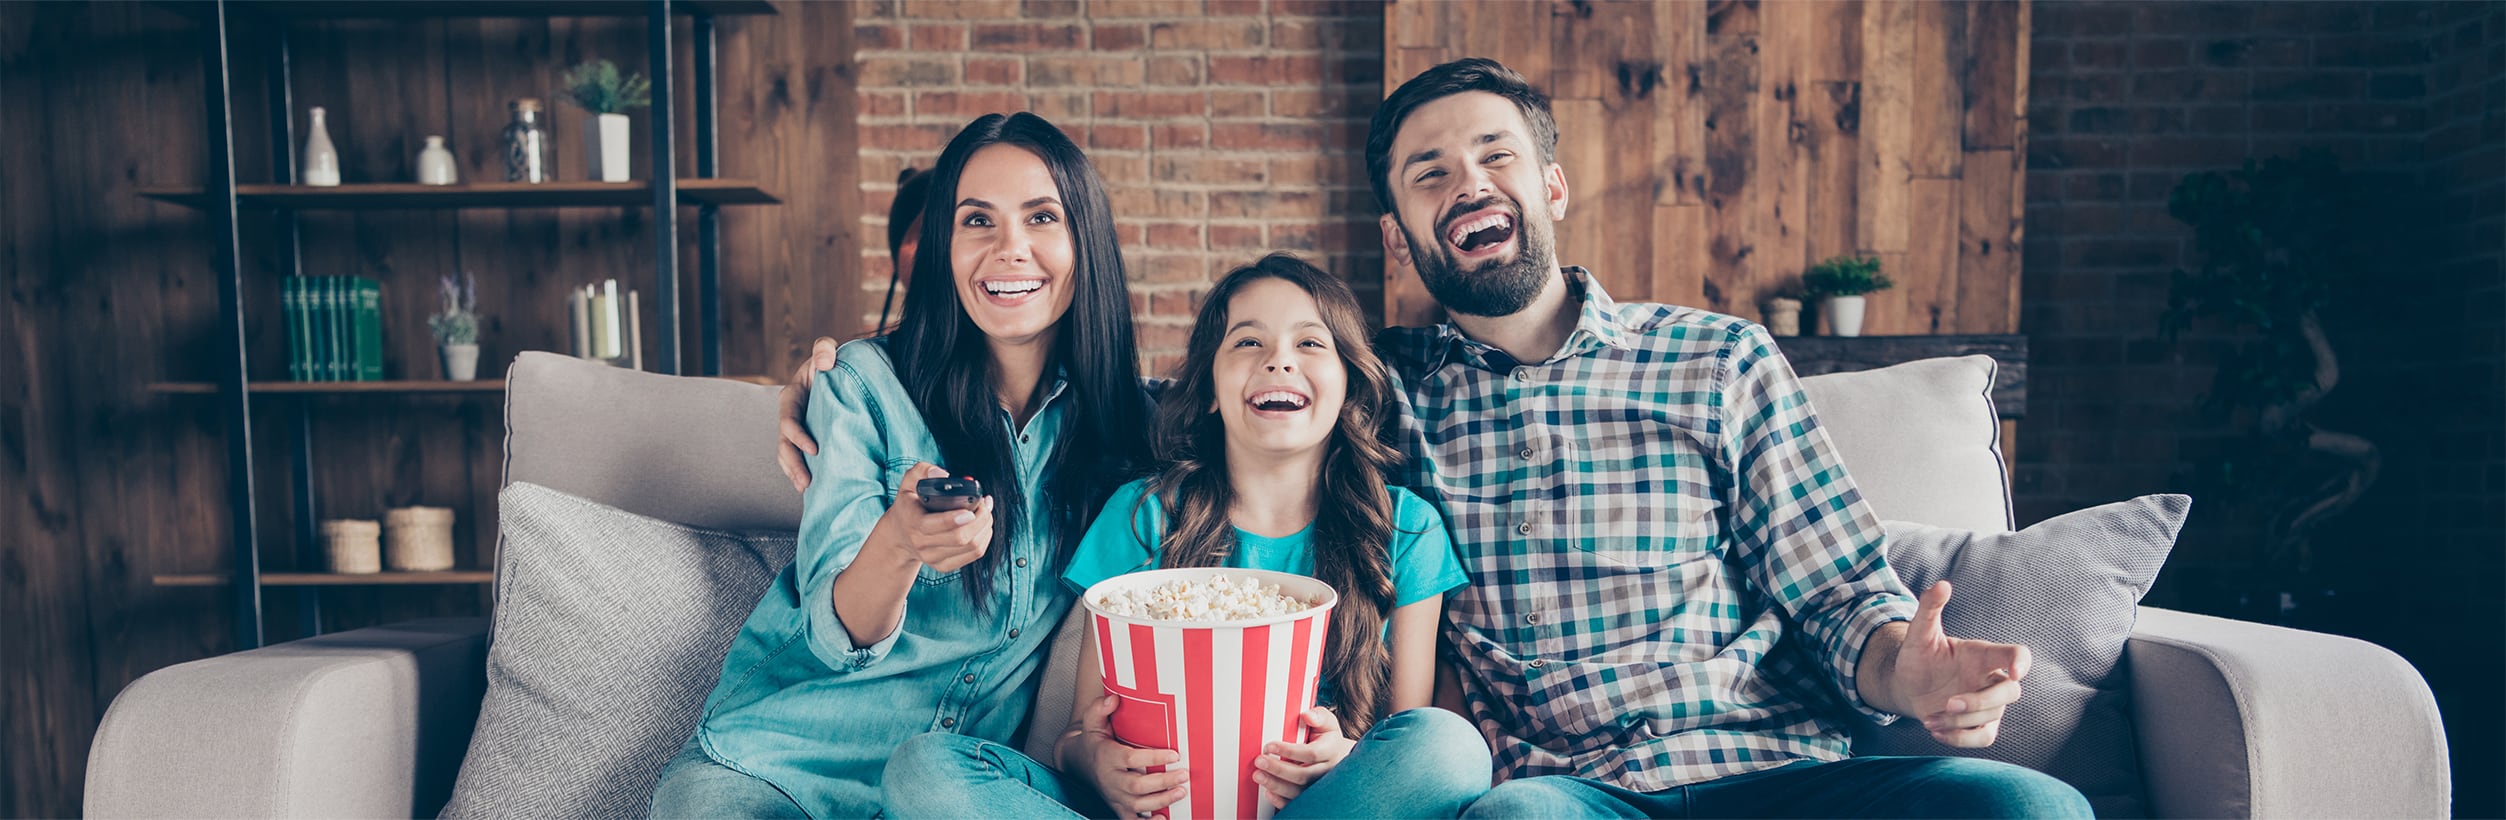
(1419, 763)
(1853, 787)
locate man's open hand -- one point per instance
(1955, 686)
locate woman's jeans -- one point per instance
(693, 785)
(1419, 763)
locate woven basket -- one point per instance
(353, 546)
(418, 539)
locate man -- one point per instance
(1675, 589)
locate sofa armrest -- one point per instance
(365, 723)
(2240, 719)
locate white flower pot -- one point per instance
(461, 362)
(1844, 315)
(608, 135)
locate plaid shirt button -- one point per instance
(1527, 454)
(1532, 619)
(1537, 663)
(1523, 528)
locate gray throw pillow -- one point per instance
(2067, 588)
(609, 631)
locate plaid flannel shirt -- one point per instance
(1671, 575)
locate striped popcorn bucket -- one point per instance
(1214, 692)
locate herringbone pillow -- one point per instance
(2068, 589)
(610, 630)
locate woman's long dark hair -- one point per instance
(946, 363)
(1354, 522)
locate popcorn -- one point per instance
(1208, 600)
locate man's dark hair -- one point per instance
(1466, 74)
(910, 187)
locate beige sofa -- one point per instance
(2233, 719)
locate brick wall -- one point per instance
(1223, 128)
(2126, 98)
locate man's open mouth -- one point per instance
(1473, 234)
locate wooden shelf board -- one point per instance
(412, 196)
(370, 9)
(368, 388)
(312, 579)
(323, 388)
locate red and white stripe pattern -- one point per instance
(1216, 693)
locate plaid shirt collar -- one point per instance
(1596, 325)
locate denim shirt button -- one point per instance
(969, 678)
(1022, 562)
(948, 723)
(1013, 632)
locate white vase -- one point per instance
(1844, 315)
(608, 137)
(435, 166)
(461, 362)
(321, 168)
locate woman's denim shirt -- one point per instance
(801, 706)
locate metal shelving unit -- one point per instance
(223, 198)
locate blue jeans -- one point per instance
(694, 785)
(1853, 787)
(1419, 763)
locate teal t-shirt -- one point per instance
(1423, 564)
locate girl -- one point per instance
(1273, 462)
(1013, 364)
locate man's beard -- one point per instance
(1497, 287)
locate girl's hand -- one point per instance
(1285, 769)
(945, 540)
(1122, 772)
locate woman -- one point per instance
(1012, 364)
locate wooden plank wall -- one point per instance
(105, 485)
(1715, 149)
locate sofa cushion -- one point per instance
(610, 628)
(1920, 439)
(2068, 589)
(696, 451)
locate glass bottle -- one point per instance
(526, 145)
(321, 160)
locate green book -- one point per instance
(370, 329)
(288, 291)
(343, 332)
(334, 347)
(318, 319)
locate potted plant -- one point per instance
(599, 89)
(456, 328)
(2279, 243)
(1841, 282)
